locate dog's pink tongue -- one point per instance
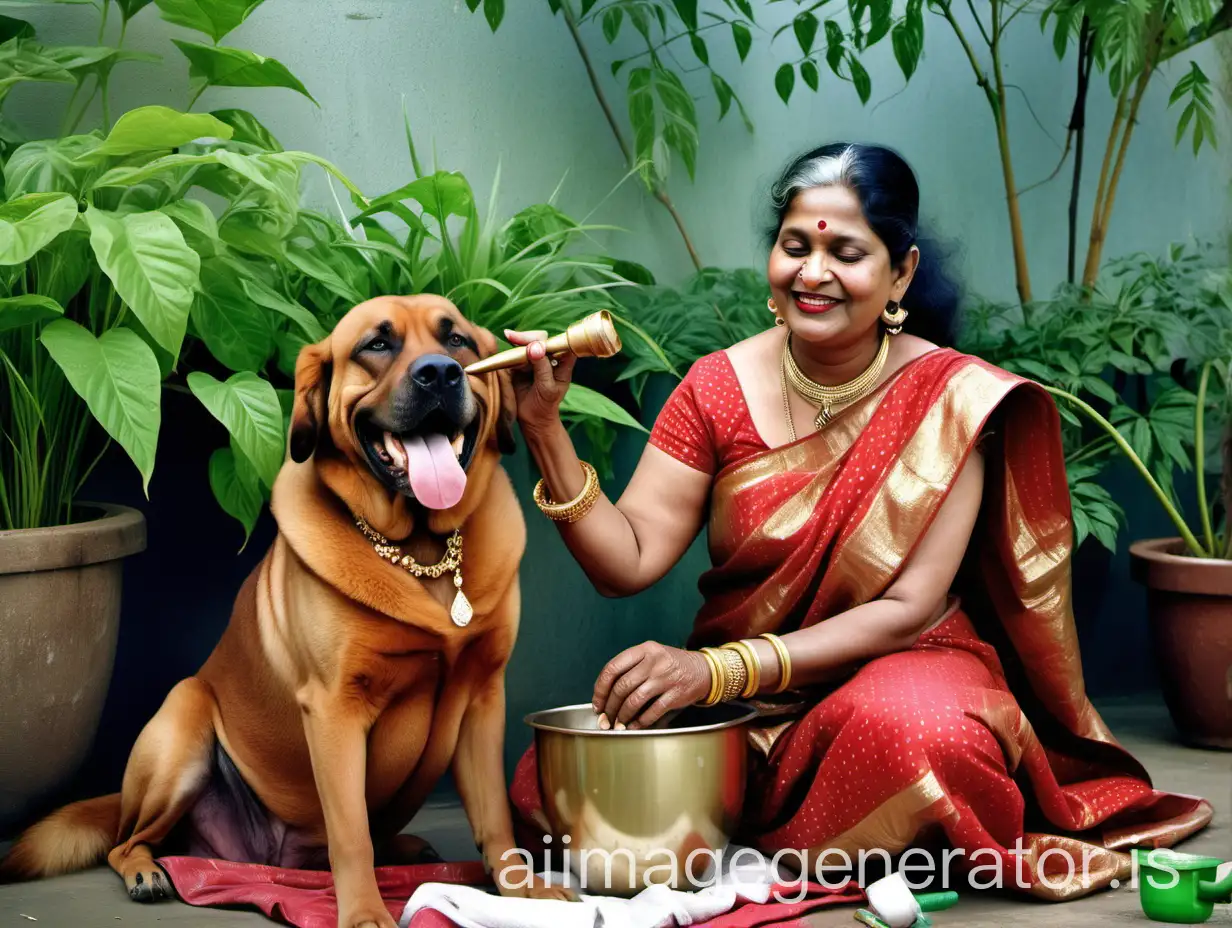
(437, 478)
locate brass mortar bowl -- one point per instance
(628, 809)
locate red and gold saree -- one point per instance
(981, 735)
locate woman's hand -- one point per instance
(540, 393)
(640, 684)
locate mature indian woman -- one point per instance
(890, 532)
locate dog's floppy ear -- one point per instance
(313, 369)
(508, 413)
(504, 397)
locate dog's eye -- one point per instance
(378, 344)
(456, 340)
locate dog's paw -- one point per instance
(369, 920)
(539, 889)
(558, 893)
(406, 850)
(149, 884)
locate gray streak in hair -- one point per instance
(834, 170)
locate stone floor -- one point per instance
(95, 899)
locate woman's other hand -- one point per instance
(540, 392)
(642, 683)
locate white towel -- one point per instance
(658, 906)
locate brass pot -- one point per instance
(632, 808)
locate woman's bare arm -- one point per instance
(641, 683)
(895, 620)
(625, 546)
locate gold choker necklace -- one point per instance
(823, 397)
(461, 611)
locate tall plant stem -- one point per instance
(1200, 455)
(996, 100)
(1122, 126)
(1191, 542)
(659, 189)
(1078, 126)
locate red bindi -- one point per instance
(821, 225)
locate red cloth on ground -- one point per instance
(305, 898)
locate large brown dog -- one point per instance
(343, 687)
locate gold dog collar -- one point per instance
(461, 611)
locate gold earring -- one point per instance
(770, 305)
(893, 316)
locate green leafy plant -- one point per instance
(1142, 370)
(660, 106)
(711, 311)
(118, 279)
(535, 269)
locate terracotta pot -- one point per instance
(1189, 603)
(59, 620)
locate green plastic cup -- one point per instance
(1180, 888)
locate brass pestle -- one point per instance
(591, 337)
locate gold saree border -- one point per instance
(919, 481)
(895, 823)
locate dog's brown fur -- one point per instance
(341, 688)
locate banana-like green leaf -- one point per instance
(130, 175)
(582, 401)
(51, 166)
(265, 296)
(131, 8)
(84, 60)
(235, 329)
(197, 224)
(118, 377)
(27, 309)
(154, 128)
(248, 129)
(213, 17)
(151, 267)
(218, 66)
(21, 62)
(30, 222)
(237, 487)
(248, 406)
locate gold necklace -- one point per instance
(461, 611)
(824, 397)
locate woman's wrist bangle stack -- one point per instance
(735, 670)
(574, 509)
(784, 661)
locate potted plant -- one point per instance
(1188, 577)
(117, 281)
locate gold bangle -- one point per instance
(575, 508)
(784, 661)
(735, 676)
(716, 678)
(752, 666)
